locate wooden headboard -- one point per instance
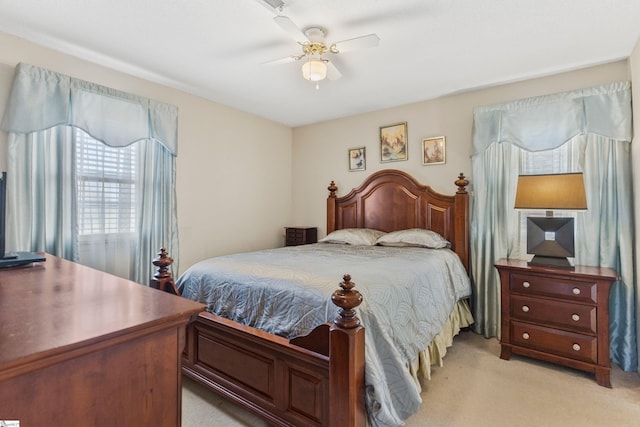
(391, 200)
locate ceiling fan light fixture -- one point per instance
(314, 70)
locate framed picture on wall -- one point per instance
(393, 142)
(357, 159)
(433, 151)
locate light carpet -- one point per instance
(477, 388)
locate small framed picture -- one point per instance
(357, 159)
(393, 142)
(433, 151)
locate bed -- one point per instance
(314, 365)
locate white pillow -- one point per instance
(353, 236)
(414, 237)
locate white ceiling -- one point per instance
(428, 48)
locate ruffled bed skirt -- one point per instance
(459, 318)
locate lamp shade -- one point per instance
(314, 70)
(552, 191)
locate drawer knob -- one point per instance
(576, 291)
(526, 336)
(526, 284)
(576, 347)
(575, 317)
(525, 308)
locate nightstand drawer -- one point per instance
(556, 287)
(295, 233)
(565, 315)
(561, 343)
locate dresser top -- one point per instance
(577, 271)
(58, 305)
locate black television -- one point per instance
(11, 259)
(3, 213)
(551, 241)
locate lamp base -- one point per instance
(547, 261)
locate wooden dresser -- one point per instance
(300, 235)
(79, 347)
(559, 315)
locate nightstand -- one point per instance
(559, 315)
(300, 235)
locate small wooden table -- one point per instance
(295, 236)
(560, 315)
(83, 347)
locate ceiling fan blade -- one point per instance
(362, 42)
(332, 72)
(287, 25)
(279, 61)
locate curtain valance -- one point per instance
(41, 99)
(546, 122)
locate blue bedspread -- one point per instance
(408, 294)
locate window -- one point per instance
(106, 203)
(107, 208)
(106, 188)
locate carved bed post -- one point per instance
(163, 279)
(346, 366)
(462, 221)
(331, 207)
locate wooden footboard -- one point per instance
(315, 380)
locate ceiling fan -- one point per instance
(315, 50)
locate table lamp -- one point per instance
(551, 239)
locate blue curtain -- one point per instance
(597, 124)
(43, 109)
(41, 192)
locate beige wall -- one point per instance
(233, 169)
(320, 150)
(634, 65)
